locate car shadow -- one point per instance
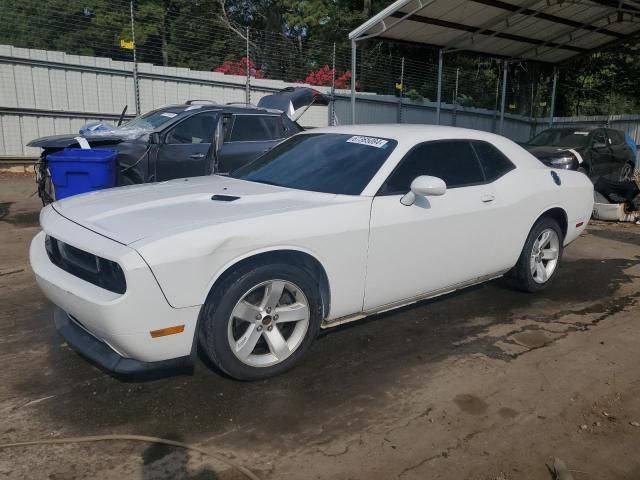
(350, 366)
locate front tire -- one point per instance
(261, 320)
(540, 256)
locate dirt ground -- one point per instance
(487, 383)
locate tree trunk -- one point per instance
(366, 8)
(165, 33)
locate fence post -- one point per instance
(353, 81)
(454, 117)
(247, 92)
(332, 106)
(440, 54)
(399, 118)
(136, 87)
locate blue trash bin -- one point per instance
(77, 170)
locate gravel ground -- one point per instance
(486, 383)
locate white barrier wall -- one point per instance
(51, 93)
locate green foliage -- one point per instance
(413, 94)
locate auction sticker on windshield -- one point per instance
(371, 141)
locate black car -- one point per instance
(193, 139)
(598, 152)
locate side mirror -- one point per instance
(599, 146)
(155, 138)
(424, 186)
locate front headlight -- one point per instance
(90, 268)
(567, 161)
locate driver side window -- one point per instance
(196, 129)
(455, 162)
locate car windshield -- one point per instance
(154, 119)
(321, 162)
(560, 138)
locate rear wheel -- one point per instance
(540, 256)
(261, 321)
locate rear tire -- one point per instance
(243, 329)
(540, 257)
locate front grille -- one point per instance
(90, 268)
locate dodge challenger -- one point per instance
(328, 227)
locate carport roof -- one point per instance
(551, 31)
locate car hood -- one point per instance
(94, 139)
(131, 214)
(64, 141)
(547, 152)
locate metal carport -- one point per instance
(550, 31)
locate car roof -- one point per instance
(411, 132)
(235, 108)
(588, 128)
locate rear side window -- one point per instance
(493, 161)
(256, 128)
(455, 162)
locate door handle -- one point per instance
(197, 156)
(487, 198)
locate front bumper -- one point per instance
(100, 354)
(123, 322)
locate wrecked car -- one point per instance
(597, 152)
(188, 140)
(330, 226)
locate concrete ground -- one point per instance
(487, 383)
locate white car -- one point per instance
(331, 226)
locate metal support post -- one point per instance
(247, 93)
(332, 105)
(136, 87)
(552, 110)
(440, 59)
(399, 118)
(455, 99)
(353, 82)
(504, 97)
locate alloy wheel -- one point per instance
(544, 255)
(268, 323)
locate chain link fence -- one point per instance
(196, 34)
